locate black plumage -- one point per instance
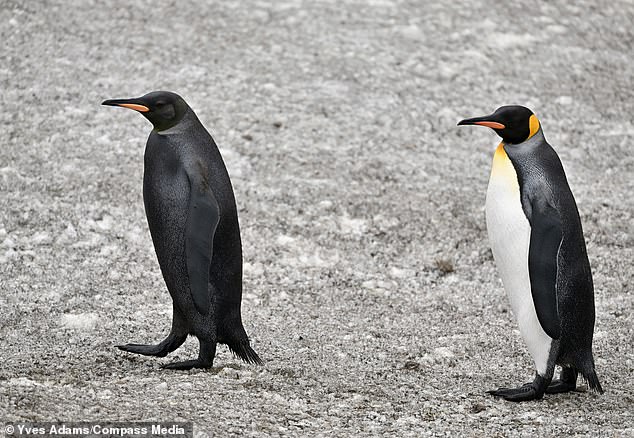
(192, 216)
(561, 278)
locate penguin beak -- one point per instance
(483, 121)
(134, 104)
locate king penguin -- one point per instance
(538, 245)
(192, 216)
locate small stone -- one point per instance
(411, 365)
(445, 266)
(443, 352)
(477, 408)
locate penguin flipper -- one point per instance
(202, 219)
(546, 236)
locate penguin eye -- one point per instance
(165, 109)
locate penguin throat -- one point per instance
(173, 126)
(502, 170)
(162, 126)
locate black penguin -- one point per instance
(538, 245)
(191, 212)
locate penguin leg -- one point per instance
(175, 339)
(567, 381)
(205, 358)
(529, 391)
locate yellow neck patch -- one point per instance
(502, 171)
(533, 126)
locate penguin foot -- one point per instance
(169, 344)
(567, 381)
(529, 391)
(187, 365)
(205, 358)
(146, 350)
(523, 393)
(559, 386)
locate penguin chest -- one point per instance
(509, 235)
(165, 195)
(507, 226)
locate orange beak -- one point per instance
(127, 103)
(134, 106)
(494, 125)
(483, 121)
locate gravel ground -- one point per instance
(370, 290)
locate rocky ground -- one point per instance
(370, 290)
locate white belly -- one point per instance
(509, 235)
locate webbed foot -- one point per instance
(146, 350)
(567, 382)
(529, 391)
(205, 358)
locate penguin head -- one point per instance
(162, 108)
(514, 123)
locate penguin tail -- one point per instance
(232, 333)
(592, 380)
(590, 376)
(243, 350)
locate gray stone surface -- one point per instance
(370, 290)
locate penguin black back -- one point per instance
(193, 221)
